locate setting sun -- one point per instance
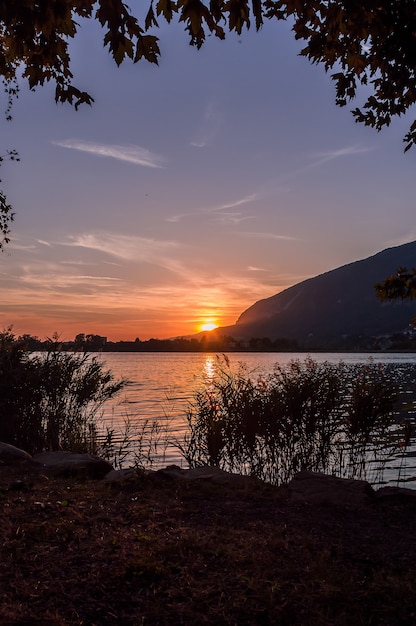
(209, 326)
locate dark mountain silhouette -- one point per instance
(331, 307)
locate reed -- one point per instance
(140, 443)
(322, 417)
(51, 401)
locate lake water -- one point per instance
(162, 384)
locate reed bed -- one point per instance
(344, 420)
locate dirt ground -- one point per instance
(157, 551)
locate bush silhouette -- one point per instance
(321, 417)
(51, 400)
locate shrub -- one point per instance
(323, 417)
(51, 401)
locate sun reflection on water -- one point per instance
(209, 369)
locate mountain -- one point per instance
(331, 308)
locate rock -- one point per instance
(116, 476)
(206, 473)
(396, 494)
(10, 454)
(68, 463)
(321, 489)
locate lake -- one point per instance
(162, 384)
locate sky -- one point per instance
(190, 190)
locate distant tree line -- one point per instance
(225, 343)
(97, 343)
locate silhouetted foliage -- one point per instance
(401, 285)
(324, 417)
(51, 401)
(6, 211)
(398, 286)
(6, 217)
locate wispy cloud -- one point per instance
(268, 236)
(231, 205)
(130, 153)
(232, 218)
(271, 187)
(347, 151)
(59, 281)
(216, 209)
(123, 246)
(132, 249)
(283, 182)
(320, 158)
(208, 128)
(152, 284)
(18, 244)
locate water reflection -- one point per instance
(209, 369)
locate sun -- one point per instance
(209, 326)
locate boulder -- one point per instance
(120, 475)
(10, 454)
(322, 489)
(205, 473)
(68, 463)
(396, 494)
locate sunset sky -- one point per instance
(190, 190)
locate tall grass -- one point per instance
(323, 417)
(140, 443)
(51, 401)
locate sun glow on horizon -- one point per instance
(207, 326)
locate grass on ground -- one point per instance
(153, 551)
